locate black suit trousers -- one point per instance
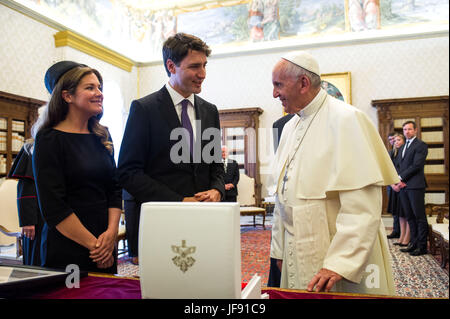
(229, 198)
(413, 204)
(132, 216)
(274, 274)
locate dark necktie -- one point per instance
(186, 122)
(406, 146)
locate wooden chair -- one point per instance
(444, 247)
(122, 236)
(247, 201)
(439, 235)
(435, 218)
(9, 217)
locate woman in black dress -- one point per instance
(75, 173)
(405, 234)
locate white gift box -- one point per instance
(190, 250)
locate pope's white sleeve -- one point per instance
(357, 226)
(277, 242)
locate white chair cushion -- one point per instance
(445, 235)
(440, 228)
(9, 217)
(246, 190)
(248, 209)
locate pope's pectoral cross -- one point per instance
(285, 178)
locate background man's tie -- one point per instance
(186, 122)
(404, 150)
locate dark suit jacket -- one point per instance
(278, 126)
(411, 167)
(27, 202)
(232, 176)
(145, 168)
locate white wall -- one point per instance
(27, 50)
(127, 81)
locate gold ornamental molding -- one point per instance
(78, 42)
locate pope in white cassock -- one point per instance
(328, 174)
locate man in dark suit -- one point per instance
(412, 188)
(231, 178)
(171, 148)
(278, 125)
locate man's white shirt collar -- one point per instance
(177, 97)
(411, 140)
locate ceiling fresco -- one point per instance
(138, 28)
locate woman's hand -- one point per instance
(108, 262)
(104, 246)
(106, 242)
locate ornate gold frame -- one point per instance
(342, 81)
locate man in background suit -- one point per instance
(278, 125)
(150, 165)
(412, 188)
(231, 177)
(278, 129)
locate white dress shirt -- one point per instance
(177, 98)
(408, 142)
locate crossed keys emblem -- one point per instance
(183, 260)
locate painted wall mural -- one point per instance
(138, 32)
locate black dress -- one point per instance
(74, 174)
(394, 206)
(27, 206)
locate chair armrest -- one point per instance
(7, 232)
(441, 211)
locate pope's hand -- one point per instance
(324, 280)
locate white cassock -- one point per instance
(328, 212)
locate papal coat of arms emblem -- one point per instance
(183, 260)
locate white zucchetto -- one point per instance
(304, 60)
